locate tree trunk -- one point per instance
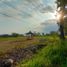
(62, 32)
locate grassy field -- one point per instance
(10, 43)
(53, 55)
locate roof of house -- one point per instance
(29, 33)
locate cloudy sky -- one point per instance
(24, 15)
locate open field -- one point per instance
(8, 44)
(54, 54)
(18, 48)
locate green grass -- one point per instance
(54, 55)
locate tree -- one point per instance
(43, 34)
(61, 4)
(15, 35)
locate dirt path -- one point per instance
(9, 45)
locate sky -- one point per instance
(21, 16)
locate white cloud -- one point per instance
(47, 26)
(25, 8)
(33, 12)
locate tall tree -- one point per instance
(61, 4)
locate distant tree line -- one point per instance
(11, 35)
(44, 34)
(34, 34)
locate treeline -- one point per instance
(11, 35)
(44, 34)
(34, 34)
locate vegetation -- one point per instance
(36, 49)
(7, 44)
(53, 55)
(11, 35)
(63, 11)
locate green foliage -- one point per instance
(16, 35)
(54, 55)
(61, 2)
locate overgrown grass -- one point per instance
(54, 55)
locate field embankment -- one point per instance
(19, 48)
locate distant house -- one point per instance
(29, 35)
